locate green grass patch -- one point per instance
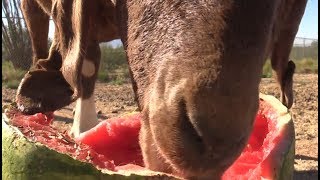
(307, 65)
(303, 66)
(11, 76)
(267, 69)
(117, 76)
(103, 76)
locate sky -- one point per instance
(309, 23)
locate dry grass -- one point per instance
(11, 77)
(303, 66)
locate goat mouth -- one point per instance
(29, 106)
(43, 91)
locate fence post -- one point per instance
(304, 47)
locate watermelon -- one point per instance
(270, 151)
(33, 149)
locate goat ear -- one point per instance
(286, 85)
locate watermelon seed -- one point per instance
(66, 141)
(31, 133)
(34, 138)
(88, 158)
(59, 136)
(52, 137)
(77, 152)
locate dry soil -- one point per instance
(115, 100)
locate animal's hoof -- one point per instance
(43, 91)
(287, 82)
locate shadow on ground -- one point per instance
(306, 157)
(63, 119)
(305, 175)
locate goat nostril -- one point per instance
(38, 99)
(69, 92)
(199, 139)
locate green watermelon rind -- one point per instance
(25, 159)
(282, 155)
(286, 172)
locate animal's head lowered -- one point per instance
(43, 91)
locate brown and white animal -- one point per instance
(46, 88)
(195, 67)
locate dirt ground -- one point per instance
(113, 100)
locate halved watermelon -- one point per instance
(271, 147)
(32, 149)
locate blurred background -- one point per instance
(17, 53)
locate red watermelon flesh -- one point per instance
(116, 138)
(37, 128)
(114, 144)
(265, 135)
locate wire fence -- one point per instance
(304, 42)
(304, 48)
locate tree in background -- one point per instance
(113, 64)
(15, 37)
(314, 50)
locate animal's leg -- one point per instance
(85, 116)
(54, 60)
(280, 56)
(37, 22)
(284, 72)
(81, 58)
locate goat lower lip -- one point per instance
(27, 110)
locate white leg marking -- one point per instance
(85, 116)
(88, 68)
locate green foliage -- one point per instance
(16, 44)
(11, 76)
(112, 58)
(121, 76)
(113, 65)
(306, 65)
(103, 76)
(267, 69)
(305, 58)
(113, 68)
